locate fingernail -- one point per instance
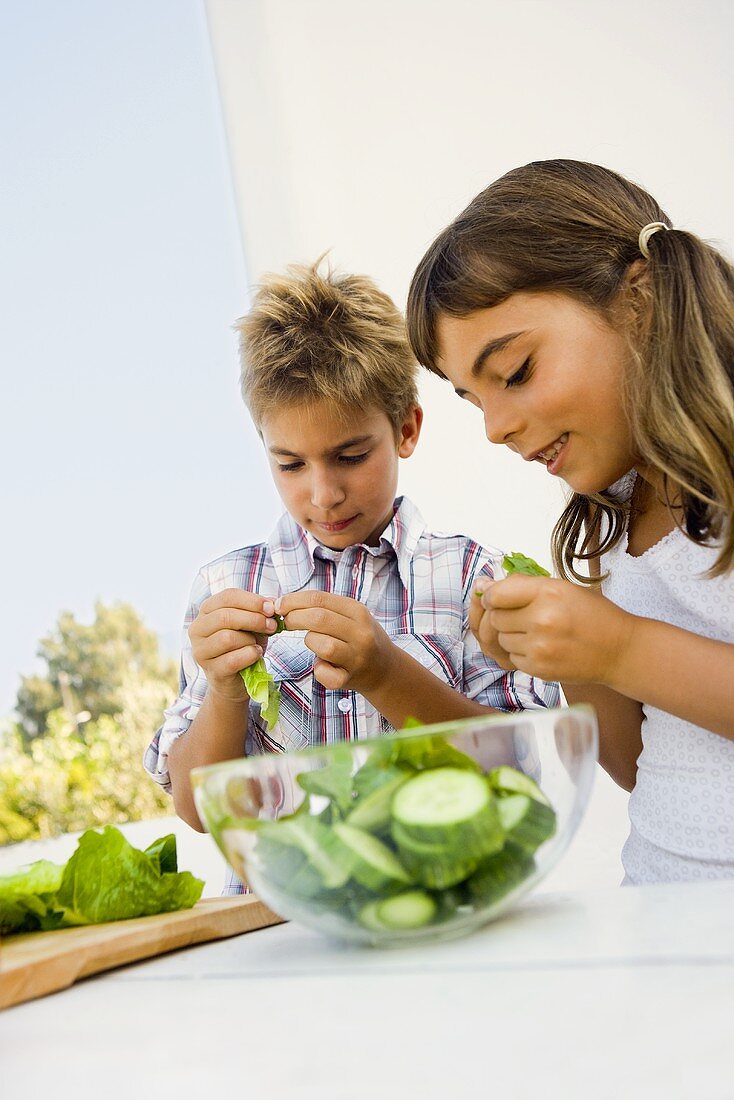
(271, 625)
(268, 607)
(276, 607)
(482, 585)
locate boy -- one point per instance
(375, 606)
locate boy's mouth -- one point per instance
(340, 525)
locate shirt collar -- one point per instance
(292, 548)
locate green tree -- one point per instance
(63, 770)
(87, 666)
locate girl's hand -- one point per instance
(553, 629)
(480, 624)
(351, 649)
(229, 634)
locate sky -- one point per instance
(128, 459)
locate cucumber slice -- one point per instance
(372, 863)
(316, 841)
(411, 909)
(451, 808)
(526, 822)
(372, 811)
(507, 780)
(500, 874)
(431, 864)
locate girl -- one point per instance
(598, 341)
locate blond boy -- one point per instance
(375, 605)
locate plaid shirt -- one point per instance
(418, 586)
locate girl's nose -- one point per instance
(500, 424)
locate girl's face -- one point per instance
(547, 373)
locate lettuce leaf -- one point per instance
(105, 879)
(519, 563)
(261, 689)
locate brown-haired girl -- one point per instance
(598, 341)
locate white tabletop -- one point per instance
(608, 994)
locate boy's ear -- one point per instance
(410, 430)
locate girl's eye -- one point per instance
(519, 376)
(353, 460)
(289, 466)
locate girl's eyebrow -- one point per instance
(343, 446)
(490, 348)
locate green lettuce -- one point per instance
(261, 687)
(105, 879)
(519, 563)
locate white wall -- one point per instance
(365, 127)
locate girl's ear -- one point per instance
(410, 431)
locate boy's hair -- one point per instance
(313, 336)
(573, 227)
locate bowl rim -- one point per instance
(199, 775)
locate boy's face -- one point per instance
(336, 469)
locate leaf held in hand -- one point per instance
(519, 563)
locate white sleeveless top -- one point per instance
(682, 807)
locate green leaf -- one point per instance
(261, 689)
(105, 879)
(108, 879)
(334, 781)
(26, 896)
(162, 852)
(519, 563)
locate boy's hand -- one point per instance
(552, 629)
(351, 649)
(229, 634)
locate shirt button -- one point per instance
(344, 705)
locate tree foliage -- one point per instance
(91, 662)
(58, 775)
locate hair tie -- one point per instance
(645, 233)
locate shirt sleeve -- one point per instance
(483, 679)
(191, 691)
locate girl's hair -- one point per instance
(568, 226)
(313, 336)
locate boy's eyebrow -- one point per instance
(498, 344)
(343, 446)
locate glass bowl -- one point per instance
(426, 833)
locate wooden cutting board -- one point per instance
(37, 963)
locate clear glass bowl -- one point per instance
(427, 833)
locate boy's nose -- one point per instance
(326, 493)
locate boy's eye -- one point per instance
(352, 460)
(519, 376)
(289, 466)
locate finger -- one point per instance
(330, 649)
(224, 641)
(321, 620)
(235, 661)
(330, 676)
(232, 597)
(514, 645)
(476, 611)
(514, 591)
(312, 598)
(231, 618)
(513, 621)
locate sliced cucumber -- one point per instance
(371, 863)
(526, 821)
(411, 909)
(451, 808)
(317, 842)
(432, 865)
(372, 811)
(500, 874)
(507, 780)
